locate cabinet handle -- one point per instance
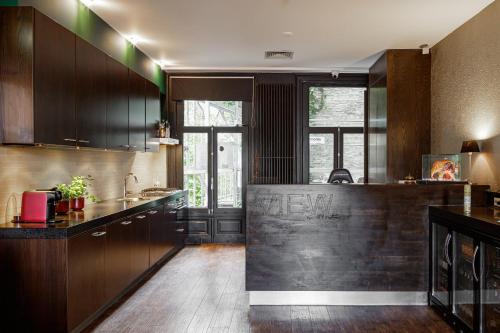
(172, 212)
(125, 146)
(84, 141)
(70, 140)
(473, 264)
(140, 217)
(152, 212)
(446, 251)
(99, 233)
(132, 147)
(126, 222)
(180, 230)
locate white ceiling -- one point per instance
(233, 34)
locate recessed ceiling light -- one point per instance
(88, 3)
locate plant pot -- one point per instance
(77, 204)
(62, 207)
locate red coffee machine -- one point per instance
(39, 206)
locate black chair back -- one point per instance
(339, 176)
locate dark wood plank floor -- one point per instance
(202, 289)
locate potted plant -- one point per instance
(62, 206)
(78, 191)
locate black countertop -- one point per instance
(93, 216)
(484, 220)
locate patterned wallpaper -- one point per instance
(25, 168)
(465, 90)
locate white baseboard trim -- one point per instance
(338, 298)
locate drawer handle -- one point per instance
(152, 212)
(70, 140)
(126, 222)
(99, 233)
(125, 146)
(172, 212)
(84, 141)
(140, 217)
(180, 230)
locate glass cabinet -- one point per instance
(465, 276)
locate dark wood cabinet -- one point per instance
(118, 256)
(153, 116)
(86, 275)
(399, 115)
(161, 237)
(136, 112)
(117, 105)
(57, 89)
(140, 245)
(91, 95)
(53, 83)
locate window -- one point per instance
(334, 131)
(196, 168)
(210, 113)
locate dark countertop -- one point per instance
(484, 220)
(93, 216)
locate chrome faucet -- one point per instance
(125, 192)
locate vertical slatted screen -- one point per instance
(273, 126)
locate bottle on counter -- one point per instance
(467, 198)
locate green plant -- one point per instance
(78, 188)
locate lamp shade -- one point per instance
(470, 147)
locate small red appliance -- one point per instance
(38, 206)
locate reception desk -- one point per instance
(342, 244)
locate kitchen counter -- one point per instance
(484, 220)
(342, 244)
(93, 216)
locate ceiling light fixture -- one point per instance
(134, 39)
(88, 3)
(164, 63)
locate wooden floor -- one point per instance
(202, 289)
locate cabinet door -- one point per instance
(464, 278)
(160, 234)
(153, 115)
(140, 252)
(119, 239)
(91, 95)
(54, 83)
(86, 271)
(490, 288)
(136, 112)
(441, 264)
(116, 105)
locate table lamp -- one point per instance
(470, 147)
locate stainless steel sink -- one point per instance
(133, 199)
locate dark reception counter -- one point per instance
(342, 244)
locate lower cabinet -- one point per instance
(160, 234)
(86, 272)
(140, 245)
(465, 277)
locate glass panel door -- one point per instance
(321, 157)
(196, 179)
(229, 170)
(440, 263)
(490, 288)
(464, 254)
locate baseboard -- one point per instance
(338, 298)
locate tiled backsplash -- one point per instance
(25, 168)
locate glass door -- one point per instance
(490, 288)
(441, 264)
(464, 277)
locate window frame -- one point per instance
(338, 132)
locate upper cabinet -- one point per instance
(117, 105)
(153, 116)
(91, 95)
(136, 112)
(399, 116)
(58, 89)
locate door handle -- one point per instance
(126, 222)
(446, 249)
(99, 233)
(474, 264)
(140, 217)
